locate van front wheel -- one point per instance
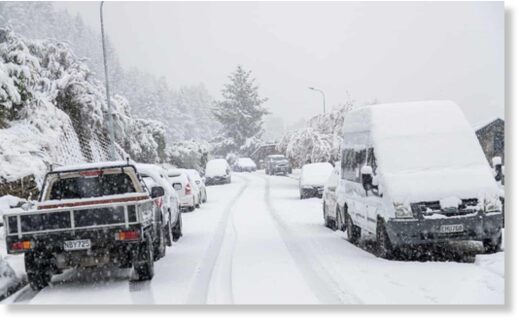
(493, 245)
(384, 248)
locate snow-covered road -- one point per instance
(255, 242)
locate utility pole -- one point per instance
(324, 99)
(110, 116)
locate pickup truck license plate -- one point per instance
(74, 245)
(455, 228)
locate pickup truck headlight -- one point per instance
(403, 210)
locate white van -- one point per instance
(414, 173)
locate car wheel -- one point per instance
(493, 244)
(159, 248)
(169, 232)
(384, 248)
(144, 267)
(339, 224)
(352, 231)
(177, 229)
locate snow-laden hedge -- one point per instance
(53, 110)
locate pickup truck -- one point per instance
(90, 215)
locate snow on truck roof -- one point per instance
(83, 166)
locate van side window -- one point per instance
(352, 161)
(348, 164)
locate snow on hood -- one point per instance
(426, 151)
(246, 162)
(315, 174)
(216, 167)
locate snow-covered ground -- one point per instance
(255, 242)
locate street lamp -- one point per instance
(110, 116)
(324, 99)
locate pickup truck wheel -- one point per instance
(339, 225)
(352, 230)
(384, 248)
(177, 229)
(38, 270)
(144, 266)
(493, 244)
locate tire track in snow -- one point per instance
(327, 290)
(199, 289)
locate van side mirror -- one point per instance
(157, 191)
(366, 173)
(497, 164)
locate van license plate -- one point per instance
(74, 245)
(455, 228)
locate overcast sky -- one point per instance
(391, 51)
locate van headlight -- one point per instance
(403, 210)
(492, 204)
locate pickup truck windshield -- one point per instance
(95, 186)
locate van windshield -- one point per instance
(428, 152)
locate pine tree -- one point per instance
(240, 112)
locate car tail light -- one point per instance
(188, 189)
(21, 245)
(127, 235)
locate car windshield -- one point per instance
(91, 186)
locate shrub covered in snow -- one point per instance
(188, 154)
(53, 110)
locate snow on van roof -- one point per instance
(424, 150)
(83, 166)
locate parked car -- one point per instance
(199, 182)
(277, 164)
(312, 179)
(330, 198)
(187, 192)
(244, 164)
(90, 215)
(414, 173)
(217, 171)
(154, 175)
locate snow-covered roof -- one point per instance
(424, 150)
(92, 165)
(315, 174)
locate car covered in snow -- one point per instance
(195, 177)
(217, 171)
(330, 197)
(244, 164)
(414, 173)
(154, 175)
(277, 164)
(312, 179)
(90, 215)
(187, 190)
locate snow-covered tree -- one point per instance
(320, 140)
(240, 112)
